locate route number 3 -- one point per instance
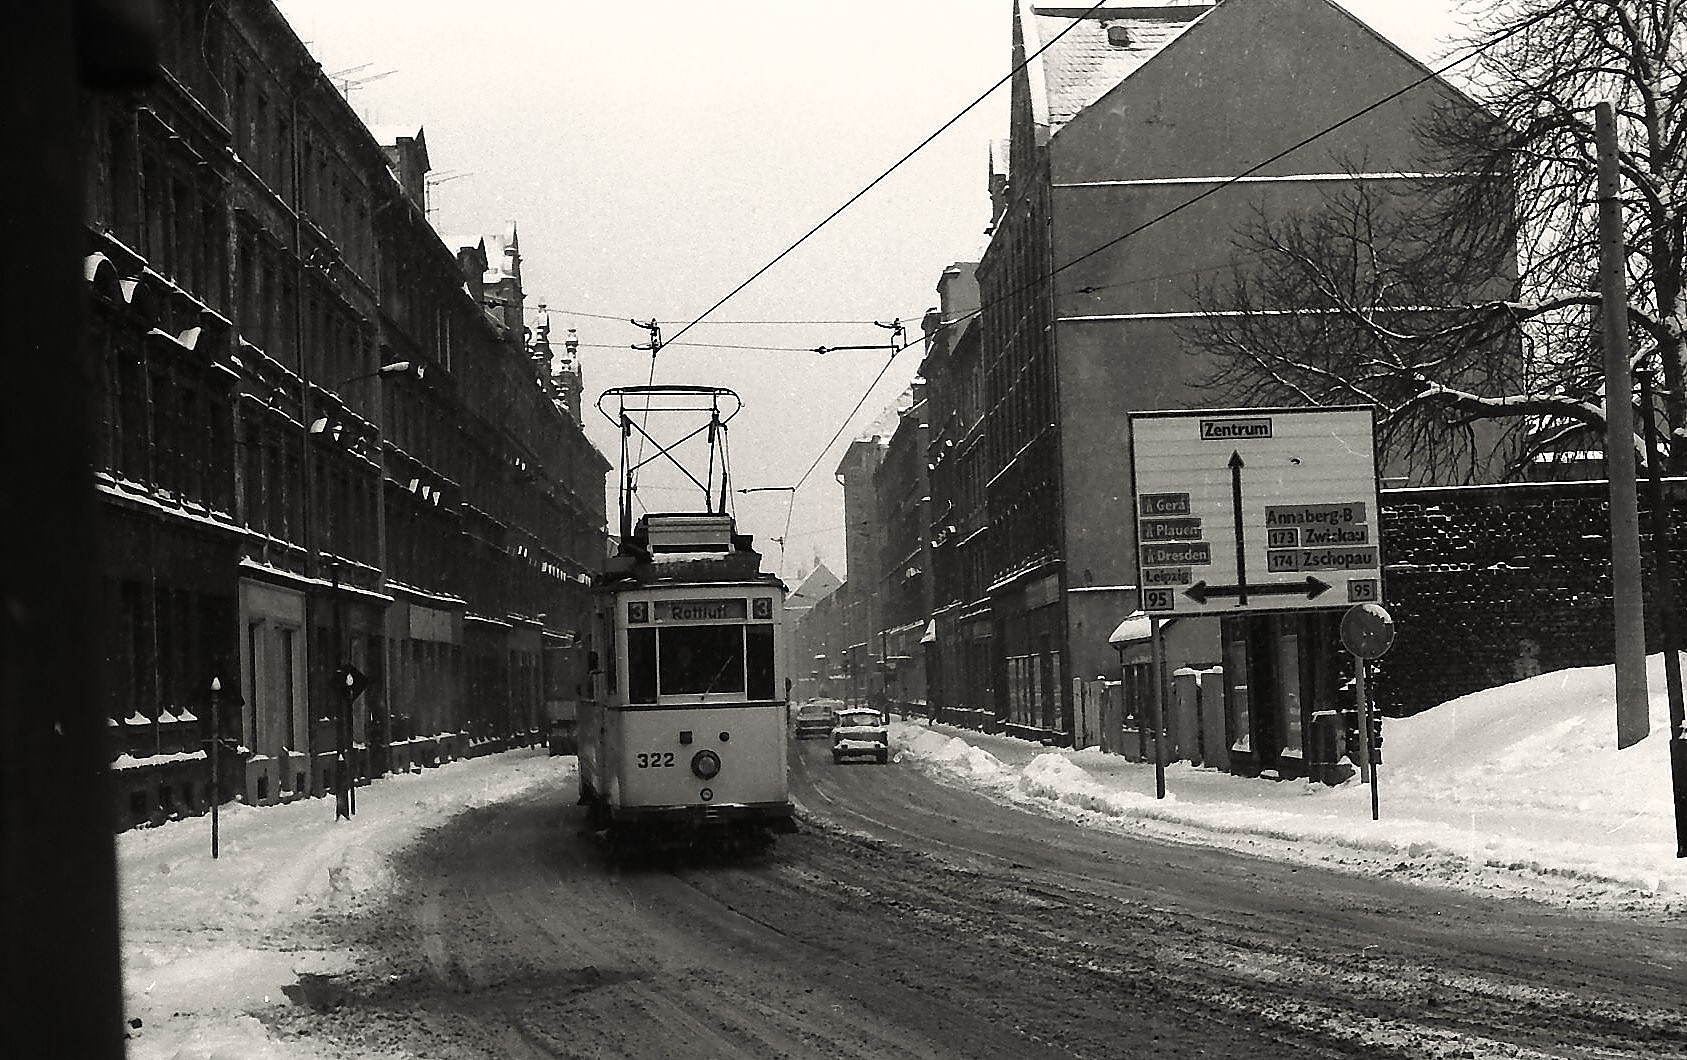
(655, 759)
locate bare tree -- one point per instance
(1466, 307)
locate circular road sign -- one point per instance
(1367, 630)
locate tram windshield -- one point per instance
(700, 660)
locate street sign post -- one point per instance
(1241, 510)
(1367, 630)
(353, 682)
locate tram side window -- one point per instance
(760, 659)
(641, 665)
(698, 660)
(609, 664)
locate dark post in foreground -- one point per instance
(216, 773)
(61, 978)
(1670, 614)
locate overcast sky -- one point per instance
(655, 157)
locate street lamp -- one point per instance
(319, 425)
(415, 369)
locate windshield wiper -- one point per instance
(710, 687)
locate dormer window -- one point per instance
(1118, 37)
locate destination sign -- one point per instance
(1235, 429)
(1167, 576)
(1320, 559)
(699, 610)
(1255, 509)
(1314, 514)
(1176, 555)
(1163, 504)
(1169, 529)
(1334, 535)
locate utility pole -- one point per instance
(1671, 615)
(1627, 605)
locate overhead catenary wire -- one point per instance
(704, 346)
(790, 505)
(720, 323)
(841, 427)
(964, 111)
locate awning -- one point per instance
(1136, 627)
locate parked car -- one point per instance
(814, 720)
(860, 732)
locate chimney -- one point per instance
(957, 290)
(471, 262)
(408, 157)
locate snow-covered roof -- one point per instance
(1098, 48)
(1135, 627)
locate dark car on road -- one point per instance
(814, 719)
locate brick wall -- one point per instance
(1491, 584)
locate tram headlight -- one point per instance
(706, 764)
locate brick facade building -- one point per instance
(325, 438)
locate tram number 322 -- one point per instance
(655, 760)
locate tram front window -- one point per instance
(697, 660)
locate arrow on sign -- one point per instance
(1311, 588)
(1236, 466)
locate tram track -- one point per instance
(912, 919)
(1413, 964)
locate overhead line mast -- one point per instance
(655, 347)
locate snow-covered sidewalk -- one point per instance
(1518, 788)
(207, 943)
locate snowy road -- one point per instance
(913, 918)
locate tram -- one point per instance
(683, 741)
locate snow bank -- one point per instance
(1523, 781)
(951, 754)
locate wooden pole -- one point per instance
(1367, 752)
(1627, 607)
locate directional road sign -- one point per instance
(1255, 509)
